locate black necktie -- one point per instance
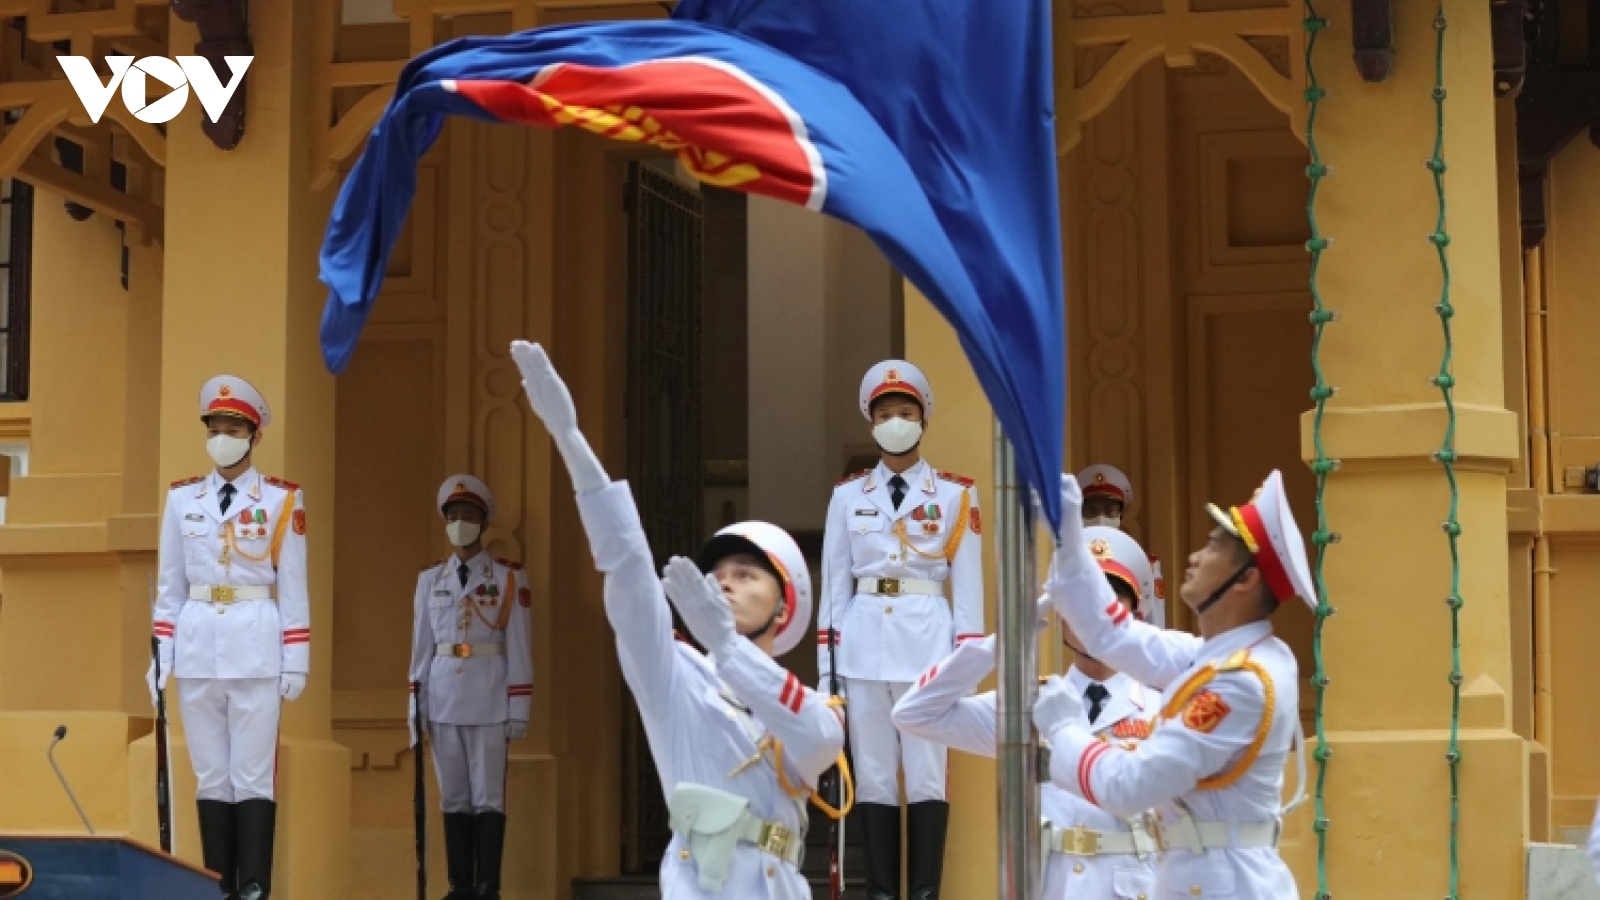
(464, 573)
(1097, 695)
(897, 490)
(227, 497)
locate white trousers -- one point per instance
(232, 728)
(470, 762)
(878, 750)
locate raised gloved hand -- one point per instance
(1058, 704)
(699, 600)
(516, 729)
(290, 684)
(150, 681)
(1072, 556)
(1042, 608)
(552, 403)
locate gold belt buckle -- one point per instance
(775, 839)
(889, 587)
(461, 651)
(1080, 841)
(222, 593)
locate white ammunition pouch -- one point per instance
(712, 823)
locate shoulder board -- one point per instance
(516, 566)
(1235, 662)
(856, 476)
(279, 482)
(962, 480)
(185, 482)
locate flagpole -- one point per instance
(1018, 666)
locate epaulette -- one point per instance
(1235, 662)
(185, 482)
(962, 480)
(280, 483)
(514, 566)
(852, 477)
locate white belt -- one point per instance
(894, 587)
(227, 593)
(466, 651)
(1081, 841)
(1198, 837)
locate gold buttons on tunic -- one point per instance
(1194, 890)
(888, 610)
(683, 855)
(772, 871)
(1077, 869)
(1141, 897)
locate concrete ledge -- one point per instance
(1486, 439)
(1560, 872)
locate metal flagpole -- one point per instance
(1019, 672)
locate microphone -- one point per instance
(61, 733)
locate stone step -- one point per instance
(645, 887)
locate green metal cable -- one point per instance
(1446, 455)
(1322, 466)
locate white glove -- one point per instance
(1042, 609)
(1072, 556)
(1058, 704)
(516, 729)
(699, 600)
(150, 681)
(291, 684)
(552, 403)
(411, 717)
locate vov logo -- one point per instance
(188, 71)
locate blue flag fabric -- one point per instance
(741, 114)
(964, 88)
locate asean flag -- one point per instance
(736, 113)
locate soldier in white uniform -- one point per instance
(738, 740)
(1091, 854)
(472, 680)
(896, 536)
(234, 624)
(1107, 494)
(1212, 768)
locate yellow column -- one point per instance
(958, 442)
(75, 615)
(242, 232)
(1388, 650)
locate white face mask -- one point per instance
(226, 450)
(1107, 521)
(897, 435)
(462, 534)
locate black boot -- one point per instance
(488, 839)
(217, 844)
(927, 823)
(257, 819)
(458, 854)
(880, 825)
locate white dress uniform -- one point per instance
(716, 723)
(1092, 854)
(1109, 481)
(472, 675)
(232, 616)
(1212, 768)
(1594, 843)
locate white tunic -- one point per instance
(202, 546)
(477, 690)
(884, 638)
(938, 709)
(704, 717)
(1212, 726)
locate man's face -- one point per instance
(895, 406)
(1211, 566)
(752, 591)
(1101, 506)
(229, 426)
